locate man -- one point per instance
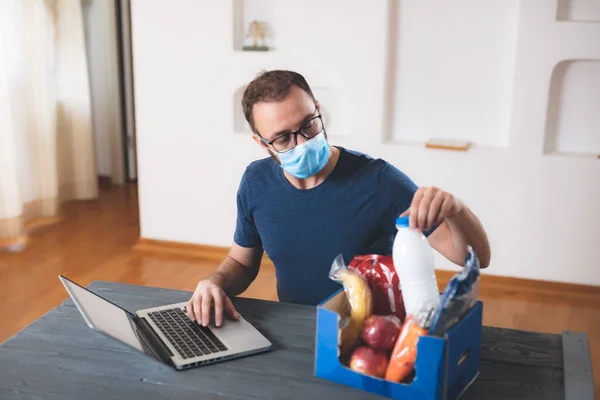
(310, 201)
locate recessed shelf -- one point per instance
(444, 80)
(244, 13)
(573, 117)
(304, 28)
(578, 10)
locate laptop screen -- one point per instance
(108, 318)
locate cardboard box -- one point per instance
(445, 367)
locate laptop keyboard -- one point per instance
(189, 338)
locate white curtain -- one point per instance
(46, 139)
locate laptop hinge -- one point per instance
(154, 341)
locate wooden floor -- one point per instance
(94, 243)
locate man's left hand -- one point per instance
(430, 206)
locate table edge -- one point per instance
(577, 366)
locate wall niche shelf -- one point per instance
(468, 96)
(301, 28)
(573, 117)
(252, 25)
(578, 10)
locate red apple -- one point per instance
(369, 361)
(381, 331)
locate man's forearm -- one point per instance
(467, 230)
(233, 277)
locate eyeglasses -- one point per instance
(288, 141)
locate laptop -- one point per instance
(165, 333)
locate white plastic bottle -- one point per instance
(413, 261)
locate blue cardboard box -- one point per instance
(445, 366)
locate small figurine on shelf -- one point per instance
(257, 30)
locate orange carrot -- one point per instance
(404, 354)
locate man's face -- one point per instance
(274, 119)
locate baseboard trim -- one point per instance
(200, 251)
(548, 291)
(490, 284)
(205, 252)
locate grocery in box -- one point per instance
(390, 332)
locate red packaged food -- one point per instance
(384, 283)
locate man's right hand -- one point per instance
(209, 294)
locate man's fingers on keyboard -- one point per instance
(218, 297)
(189, 309)
(206, 304)
(197, 308)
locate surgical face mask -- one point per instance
(306, 159)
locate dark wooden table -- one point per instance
(59, 357)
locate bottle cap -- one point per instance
(402, 221)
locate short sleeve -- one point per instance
(395, 191)
(246, 234)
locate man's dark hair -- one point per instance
(271, 86)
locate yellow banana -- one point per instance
(361, 307)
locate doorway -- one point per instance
(107, 25)
(123, 11)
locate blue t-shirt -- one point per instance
(352, 212)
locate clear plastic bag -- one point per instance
(459, 296)
(359, 298)
(383, 280)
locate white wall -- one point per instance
(540, 207)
